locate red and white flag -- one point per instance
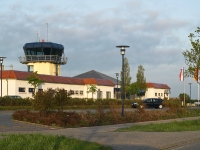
(181, 76)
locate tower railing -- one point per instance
(43, 58)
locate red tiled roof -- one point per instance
(157, 85)
(89, 81)
(22, 75)
(104, 82)
(8, 74)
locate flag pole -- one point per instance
(181, 77)
(184, 86)
(184, 91)
(198, 93)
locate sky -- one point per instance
(156, 31)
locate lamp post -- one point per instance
(122, 47)
(190, 89)
(1, 62)
(117, 75)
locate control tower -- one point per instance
(43, 57)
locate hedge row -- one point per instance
(6, 101)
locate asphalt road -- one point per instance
(106, 135)
(8, 125)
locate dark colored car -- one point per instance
(151, 103)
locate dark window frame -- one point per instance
(30, 90)
(81, 92)
(22, 89)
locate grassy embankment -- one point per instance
(45, 142)
(189, 125)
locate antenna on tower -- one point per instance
(47, 31)
(37, 37)
(11, 66)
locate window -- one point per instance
(38, 51)
(81, 92)
(21, 89)
(161, 94)
(155, 94)
(76, 92)
(40, 90)
(30, 68)
(149, 100)
(108, 95)
(72, 92)
(31, 90)
(158, 94)
(99, 94)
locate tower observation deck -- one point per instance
(44, 57)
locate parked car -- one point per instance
(150, 102)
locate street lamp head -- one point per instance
(123, 51)
(122, 47)
(117, 75)
(1, 60)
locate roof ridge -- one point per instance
(104, 75)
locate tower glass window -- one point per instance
(39, 51)
(47, 50)
(54, 51)
(30, 68)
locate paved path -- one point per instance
(105, 134)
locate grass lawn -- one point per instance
(191, 125)
(45, 142)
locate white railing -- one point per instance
(43, 58)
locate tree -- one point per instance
(43, 101)
(187, 97)
(34, 80)
(134, 88)
(141, 80)
(61, 98)
(92, 89)
(192, 56)
(127, 78)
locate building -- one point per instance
(157, 90)
(98, 75)
(16, 83)
(43, 57)
(153, 89)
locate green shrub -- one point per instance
(7, 101)
(90, 101)
(44, 101)
(61, 98)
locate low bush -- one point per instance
(101, 117)
(7, 101)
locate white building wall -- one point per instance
(156, 93)
(14, 85)
(8, 87)
(103, 89)
(68, 87)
